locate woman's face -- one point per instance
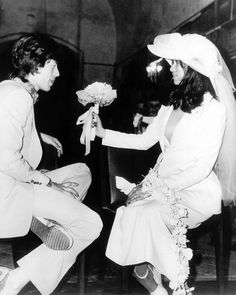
(177, 70)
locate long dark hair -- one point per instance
(189, 93)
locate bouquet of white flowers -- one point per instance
(99, 94)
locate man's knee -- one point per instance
(88, 174)
(84, 167)
(84, 172)
(95, 225)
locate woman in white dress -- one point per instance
(196, 131)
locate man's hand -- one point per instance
(66, 187)
(52, 141)
(137, 194)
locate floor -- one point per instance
(104, 277)
(200, 289)
(112, 286)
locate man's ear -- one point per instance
(39, 69)
(47, 61)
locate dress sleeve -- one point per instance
(208, 150)
(134, 141)
(15, 110)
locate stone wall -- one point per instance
(107, 31)
(171, 13)
(138, 24)
(58, 18)
(97, 40)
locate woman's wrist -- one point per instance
(101, 133)
(104, 133)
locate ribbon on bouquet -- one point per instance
(88, 132)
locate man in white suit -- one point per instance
(26, 192)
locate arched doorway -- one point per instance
(56, 111)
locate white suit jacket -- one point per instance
(20, 154)
(190, 156)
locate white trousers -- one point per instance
(46, 267)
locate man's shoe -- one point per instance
(52, 234)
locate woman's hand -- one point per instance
(52, 141)
(66, 187)
(137, 120)
(100, 131)
(136, 195)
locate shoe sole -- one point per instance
(54, 237)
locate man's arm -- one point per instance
(52, 141)
(16, 111)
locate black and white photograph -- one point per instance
(117, 147)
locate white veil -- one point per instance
(225, 167)
(203, 56)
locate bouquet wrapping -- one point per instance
(124, 185)
(99, 94)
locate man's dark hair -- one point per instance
(189, 93)
(30, 52)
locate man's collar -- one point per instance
(29, 88)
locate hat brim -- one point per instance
(169, 46)
(164, 52)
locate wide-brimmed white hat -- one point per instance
(168, 46)
(193, 49)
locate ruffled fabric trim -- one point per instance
(153, 185)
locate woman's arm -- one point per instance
(131, 141)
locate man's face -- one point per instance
(46, 75)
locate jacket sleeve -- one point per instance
(15, 109)
(207, 152)
(133, 141)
